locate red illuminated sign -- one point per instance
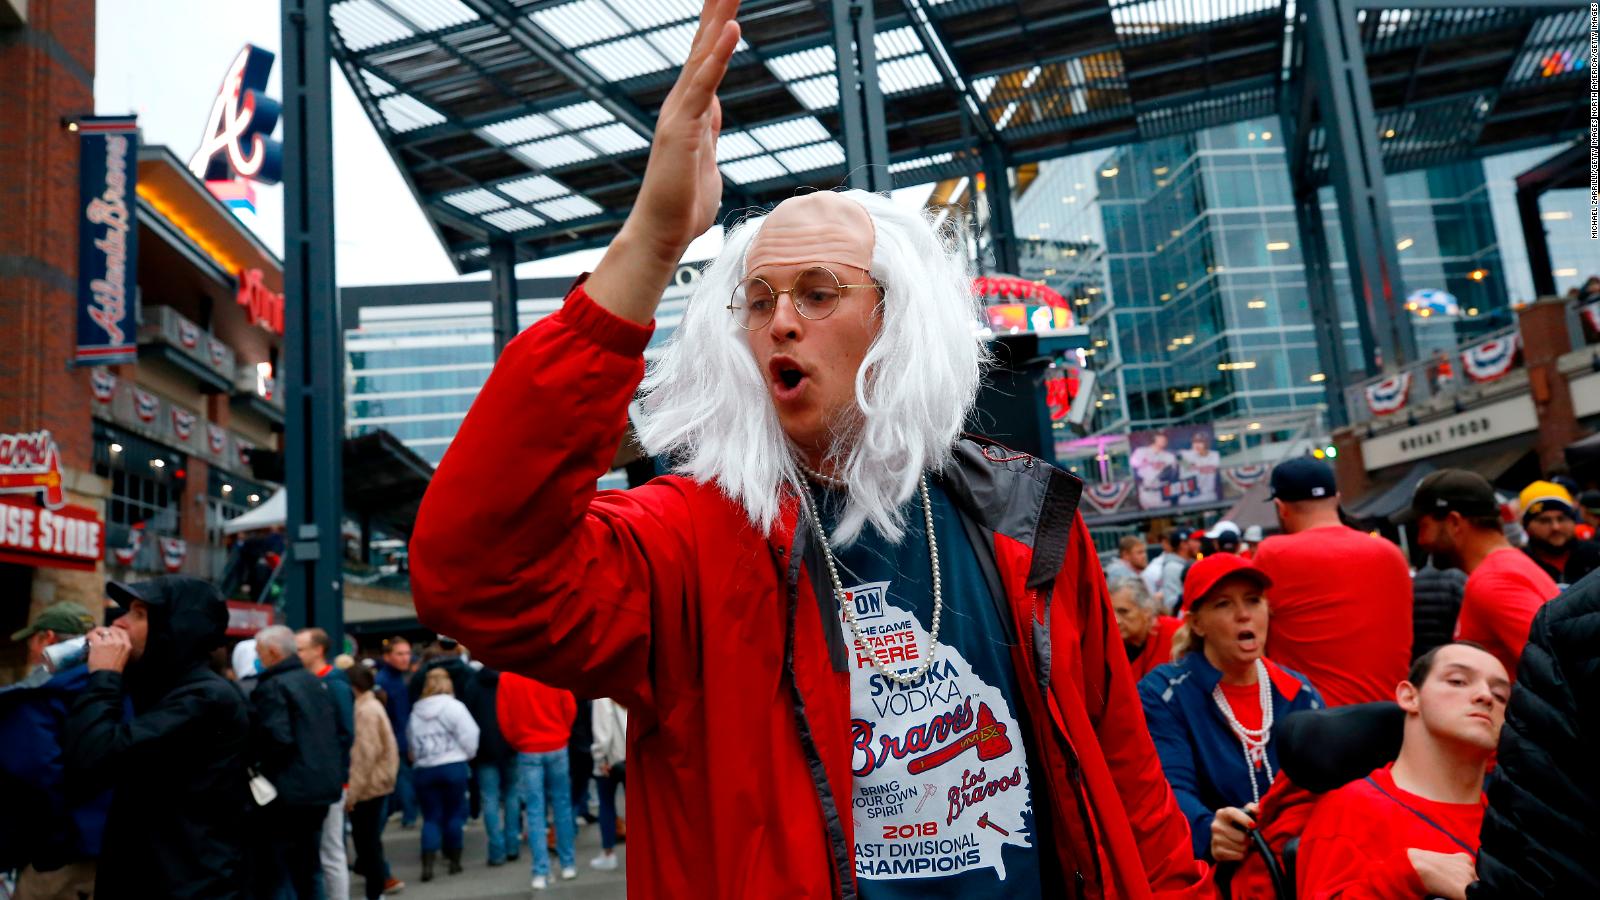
(31, 464)
(262, 305)
(71, 537)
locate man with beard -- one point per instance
(1458, 521)
(177, 767)
(1410, 829)
(836, 583)
(1548, 517)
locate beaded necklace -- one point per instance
(1253, 740)
(848, 608)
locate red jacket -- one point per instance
(1157, 647)
(534, 718)
(730, 660)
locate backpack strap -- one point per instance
(1470, 851)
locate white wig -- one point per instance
(705, 403)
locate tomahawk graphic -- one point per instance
(989, 737)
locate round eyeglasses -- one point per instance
(815, 295)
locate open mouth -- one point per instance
(1246, 639)
(788, 378)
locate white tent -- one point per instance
(270, 514)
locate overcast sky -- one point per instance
(165, 59)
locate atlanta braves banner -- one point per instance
(182, 424)
(173, 551)
(1107, 496)
(1243, 478)
(108, 168)
(126, 555)
(104, 385)
(1491, 359)
(1389, 395)
(146, 405)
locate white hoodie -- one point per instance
(441, 732)
(609, 725)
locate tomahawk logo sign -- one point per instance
(31, 464)
(237, 141)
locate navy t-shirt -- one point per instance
(941, 793)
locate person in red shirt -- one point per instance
(536, 720)
(1146, 633)
(1458, 521)
(1341, 598)
(1410, 829)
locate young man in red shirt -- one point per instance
(1458, 521)
(1341, 599)
(1411, 829)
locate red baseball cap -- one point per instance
(1205, 574)
(1197, 535)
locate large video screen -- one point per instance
(1175, 467)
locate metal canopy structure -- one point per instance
(524, 124)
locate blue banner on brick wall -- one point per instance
(108, 169)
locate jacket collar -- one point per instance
(1206, 676)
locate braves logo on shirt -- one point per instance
(940, 778)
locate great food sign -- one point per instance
(108, 168)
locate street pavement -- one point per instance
(403, 850)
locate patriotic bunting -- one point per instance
(126, 555)
(216, 439)
(243, 449)
(189, 334)
(173, 551)
(1107, 496)
(182, 424)
(1244, 478)
(1389, 395)
(1491, 359)
(218, 351)
(104, 385)
(146, 405)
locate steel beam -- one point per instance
(503, 302)
(866, 138)
(313, 584)
(1323, 302)
(1336, 66)
(1002, 230)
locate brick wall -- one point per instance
(49, 74)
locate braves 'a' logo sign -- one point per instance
(31, 463)
(237, 139)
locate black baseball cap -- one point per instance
(1450, 490)
(1303, 478)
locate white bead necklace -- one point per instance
(1253, 740)
(848, 608)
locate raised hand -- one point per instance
(682, 187)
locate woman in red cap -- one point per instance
(1211, 709)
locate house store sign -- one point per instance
(1506, 418)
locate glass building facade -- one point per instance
(414, 368)
(1183, 257)
(1564, 215)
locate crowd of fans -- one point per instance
(155, 764)
(1328, 718)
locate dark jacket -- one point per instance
(1199, 752)
(62, 825)
(1541, 830)
(294, 735)
(337, 684)
(1582, 558)
(177, 768)
(481, 702)
(396, 701)
(1435, 603)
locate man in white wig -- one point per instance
(863, 656)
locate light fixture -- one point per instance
(1166, 297)
(1257, 303)
(1477, 274)
(1317, 377)
(1107, 396)
(255, 498)
(227, 489)
(1255, 426)
(1161, 170)
(1277, 245)
(158, 463)
(1405, 244)
(1389, 133)
(1472, 310)
(1109, 173)
(116, 448)
(1266, 135)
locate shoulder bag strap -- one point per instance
(1470, 851)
